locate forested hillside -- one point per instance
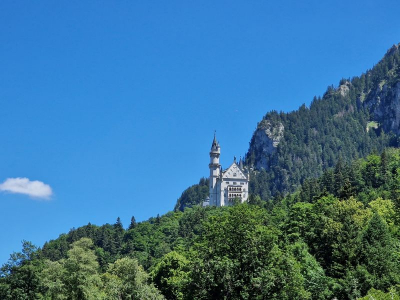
(338, 236)
(193, 195)
(348, 122)
(361, 115)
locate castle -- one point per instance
(228, 185)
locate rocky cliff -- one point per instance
(383, 100)
(384, 104)
(266, 138)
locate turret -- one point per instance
(241, 164)
(214, 158)
(215, 169)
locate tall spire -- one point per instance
(241, 163)
(214, 143)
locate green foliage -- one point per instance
(78, 277)
(19, 277)
(171, 275)
(194, 195)
(238, 258)
(133, 223)
(75, 277)
(315, 281)
(125, 279)
(337, 237)
(377, 254)
(374, 294)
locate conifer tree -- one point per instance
(133, 223)
(377, 254)
(384, 168)
(339, 177)
(118, 224)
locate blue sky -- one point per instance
(111, 105)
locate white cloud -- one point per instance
(34, 189)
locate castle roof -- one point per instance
(234, 172)
(215, 143)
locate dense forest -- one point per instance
(337, 236)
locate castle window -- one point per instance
(242, 183)
(234, 174)
(235, 183)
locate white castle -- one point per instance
(228, 185)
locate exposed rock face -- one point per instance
(267, 138)
(383, 100)
(344, 89)
(384, 104)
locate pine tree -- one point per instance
(118, 225)
(377, 254)
(339, 177)
(133, 223)
(384, 168)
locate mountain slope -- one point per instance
(351, 121)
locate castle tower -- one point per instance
(229, 186)
(215, 169)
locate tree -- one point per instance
(118, 235)
(118, 225)
(125, 279)
(76, 277)
(54, 280)
(374, 294)
(384, 170)
(19, 277)
(315, 281)
(171, 274)
(133, 223)
(255, 200)
(300, 222)
(349, 217)
(377, 254)
(386, 210)
(158, 219)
